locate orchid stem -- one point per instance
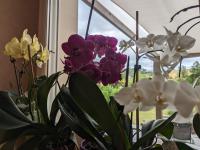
(12, 60)
(89, 19)
(157, 72)
(158, 112)
(31, 63)
(67, 80)
(137, 77)
(33, 81)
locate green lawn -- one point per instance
(146, 116)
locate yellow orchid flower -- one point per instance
(34, 48)
(35, 45)
(20, 49)
(26, 37)
(43, 57)
(14, 49)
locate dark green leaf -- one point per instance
(9, 107)
(89, 97)
(10, 122)
(9, 145)
(145, 128)
(196, 124)
(157, 147)
(39, 80)
(31, 144)
(54, 111)
(43, 92)
(117, 111)
(67, 100)
(167, 131)
(8, 135)
(153, 131)
(183, 146)
(82, 127)
(114, 107)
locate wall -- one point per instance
(67, 25)
(15, 16)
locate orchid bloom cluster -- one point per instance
(96, 57)
(173, 45)
(148, 93)
(19, 49)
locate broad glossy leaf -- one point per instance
(9, 107)
(183, 146)
(8, 135)
(31, 144)
(196, 124)
(43, 92)
(117, 111)
(54, 111)
(167, 131)
(153, 131)
(10, 122)
(145, 128)
(9, 145)
(40, 79)
(78, 125)
(157, 147)
(89, 97)
(67, 100)
(83, 118)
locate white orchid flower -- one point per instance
(179, 43)
(197, 92)
(174, 46)
(146, 94)
(177, 47)
(142, 93)
(151, 42)
(185, 99)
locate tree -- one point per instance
(195, 72)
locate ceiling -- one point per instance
(154, 14)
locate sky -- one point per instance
(99, 25)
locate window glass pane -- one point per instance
(190, 70)
(100, 25)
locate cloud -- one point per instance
(99, 25)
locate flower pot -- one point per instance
(182, 131)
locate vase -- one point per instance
(182, 131)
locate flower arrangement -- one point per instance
(27, 48)
(82, 56)
(25, 120)
(84, 110)
(165, 51)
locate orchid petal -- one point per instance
(125, 96)
(185, 99)
(147, 92)
(186, 42)
(197, 91)
(169, 91)
(158, 81)
(130, 107)
(160, 39)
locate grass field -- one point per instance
(146, 116)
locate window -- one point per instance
(100, 25)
